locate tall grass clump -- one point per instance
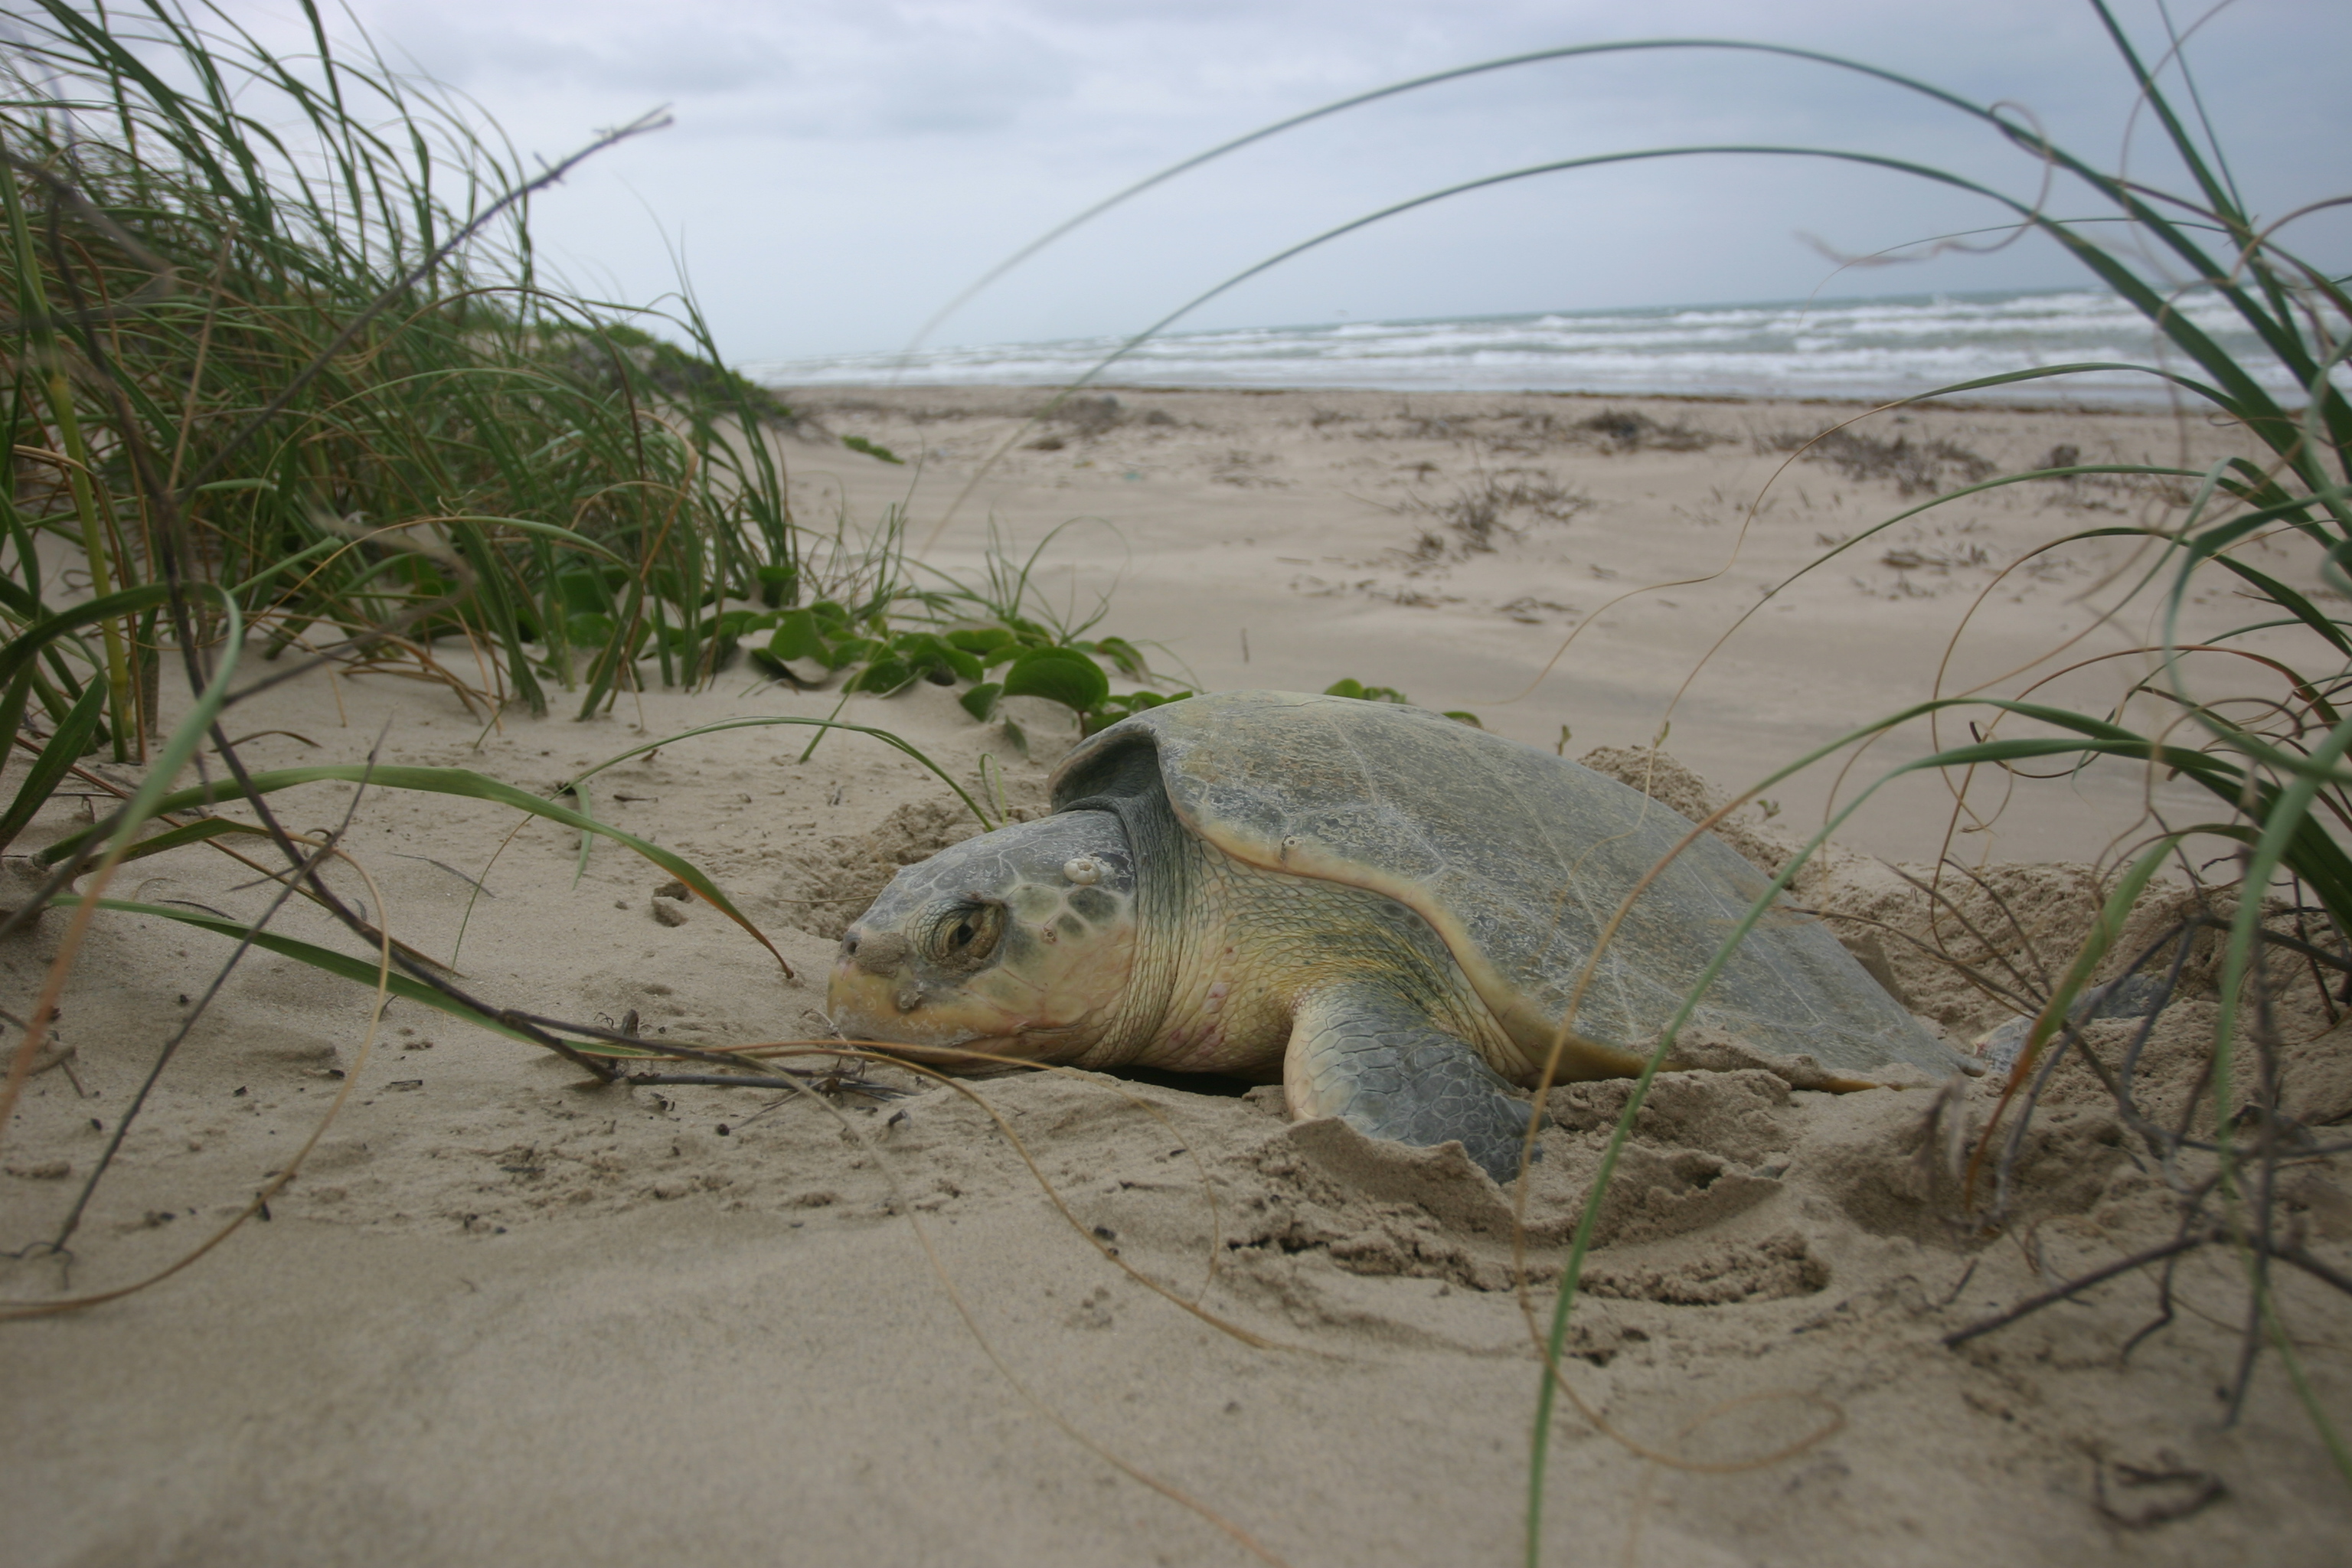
(238, 270)
(289, 311)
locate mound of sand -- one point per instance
(506, 1314)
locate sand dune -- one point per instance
(505, 1315)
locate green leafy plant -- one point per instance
(860, 443)
(1348, 686)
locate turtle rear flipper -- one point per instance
(1369, 1057)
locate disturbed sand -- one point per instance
(505, 1315)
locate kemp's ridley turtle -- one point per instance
(1384, 908)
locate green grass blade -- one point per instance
(2113, 913)
(2300, 1381)
(198, 832)
(21, 650)
(69, 740)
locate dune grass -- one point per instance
(358, 433)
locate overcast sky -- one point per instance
(840, 169)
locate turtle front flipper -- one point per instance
(1369, 1057)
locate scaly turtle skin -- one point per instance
(1389, 911)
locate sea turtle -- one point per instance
(1387, 910)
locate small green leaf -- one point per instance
(849, 651)
(1126, 704)
(1355, 689)
(1462, 717)
(981, 701)
(885, 675)
(582, 592)
(1059, 675)
(796, 636)
(984, 641)
(860, 443)
(1124, 654)
(935, 658)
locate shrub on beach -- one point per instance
(268, 332)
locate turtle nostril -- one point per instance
(849, 945)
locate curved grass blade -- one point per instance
(326, 960)
(196, 832)
(21, 650)
(460, 782)
(820, 724)
(578, 790)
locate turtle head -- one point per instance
(1017, 942)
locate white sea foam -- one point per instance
(1871, 349)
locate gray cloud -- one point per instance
(493, 49)
(877, 155)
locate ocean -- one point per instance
(1874, 349)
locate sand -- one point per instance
(505, 1315)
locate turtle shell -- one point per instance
(1519, 860)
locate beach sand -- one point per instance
(505, 1315)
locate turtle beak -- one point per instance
(859, 995)
(873, 994)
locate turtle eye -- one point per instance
(967, 934)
